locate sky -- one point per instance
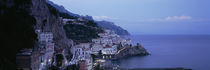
(144, 17)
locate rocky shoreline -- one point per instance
(131, 51)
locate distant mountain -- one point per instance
(110, 25)
(60, 8)
(103, 24)
(65, 13)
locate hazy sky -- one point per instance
(147, 16)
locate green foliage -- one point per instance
(91, 23)
(93, 57)
(81, 33)
(53, 68)
(98, 67)
(72, 67)
(59, 59)
(66, 15)
(100, 52)
(119, 46)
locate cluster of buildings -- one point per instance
(40, 57)
(105, 46)
(43, 55)
(79, 20)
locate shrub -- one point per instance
(59, 59)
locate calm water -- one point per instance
(171, 51)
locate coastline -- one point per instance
(178, 68)
(169, 57)
(130, 51)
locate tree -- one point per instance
(53, 68)
(93, 57)
(138, 44)
(59, 59)
(97, 67)
(72, 67)
(100, 52)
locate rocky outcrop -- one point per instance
(131, 51)
(110, 25)
(49, 22)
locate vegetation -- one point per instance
(119, 46)
(72, 67)
(93, 57)
(81, 33)
(53, 68)
(59, 59)
(100, 52)
(66, 15)
(97, 67)
(91, 23)
(78, 33)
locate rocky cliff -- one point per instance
(48, 21)
(79, 33)
(131, 51)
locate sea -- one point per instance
(170, 51)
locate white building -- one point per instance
(65, 21)
(85, 45)
(125, 42)
(109, 50)
(96, 48)
(97, 41)
(81, 53)
(106, 41)
(45, 37)
(46, 54)
(89, 62)
(81, 19)
(46, 49)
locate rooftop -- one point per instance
(25, 51)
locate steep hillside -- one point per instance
(82, 33)
(48, 20)
(78, 33)
(110, 25)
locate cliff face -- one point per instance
(79, 33)
(49, 22)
